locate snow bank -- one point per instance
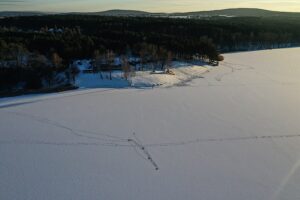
(183, 74)
(83, 64)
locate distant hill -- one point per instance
(121, 13)
(21, 13)
(239, 12)
(234, 12)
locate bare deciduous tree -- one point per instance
(56, 60)
(125, 67)
(169, 61)
(110, 58)
(99, 59)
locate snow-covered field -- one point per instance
(232, 135)
(183, 73)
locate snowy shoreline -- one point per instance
(183, 72)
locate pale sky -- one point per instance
(145, 5)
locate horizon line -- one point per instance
(118, 9)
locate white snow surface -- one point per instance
(83, 64)
(232, 135)
(184, 73)
(94, 80)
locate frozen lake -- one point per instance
(232, 135)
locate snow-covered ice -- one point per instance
(233, 134)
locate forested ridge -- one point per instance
(182, 35)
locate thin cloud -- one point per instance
(11, 1)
